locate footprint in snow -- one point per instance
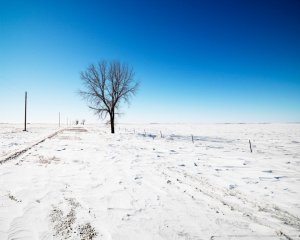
(60, 149)
(232, 186)
(279, 177)
(138, 177)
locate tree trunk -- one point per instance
(112, 124)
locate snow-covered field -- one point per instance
(12, 137)
(85, 183)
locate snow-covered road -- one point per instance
(85, 183)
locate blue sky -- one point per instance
(197, 61)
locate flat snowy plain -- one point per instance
(85, 183)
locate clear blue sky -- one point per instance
(197, 61)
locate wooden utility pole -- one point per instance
(25, 123)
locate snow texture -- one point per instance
(154, 181)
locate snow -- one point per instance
(85, 183)
(12, 137)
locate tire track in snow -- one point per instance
(24, 150)
(242, 204)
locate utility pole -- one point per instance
(25, 123)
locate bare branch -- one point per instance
(106, 86)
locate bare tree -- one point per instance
(106, 86)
